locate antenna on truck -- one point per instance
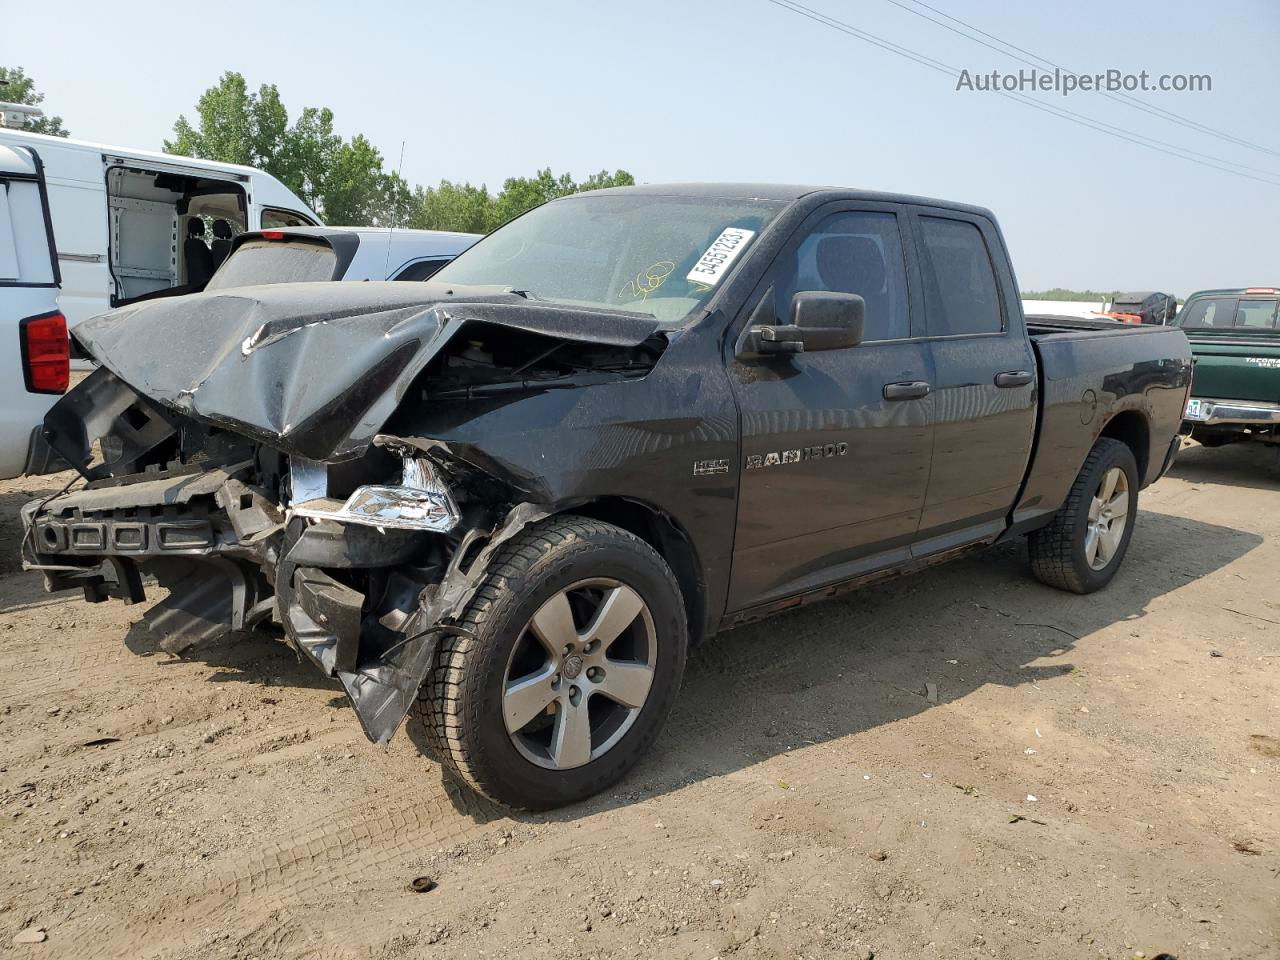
(390, 233)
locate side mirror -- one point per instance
(820, 320)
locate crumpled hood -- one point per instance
(314, 369)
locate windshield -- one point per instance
(663, 256)
(1230, 313)
(271, 261)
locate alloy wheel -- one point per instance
(579, 674)
(1108, 517)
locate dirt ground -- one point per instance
(1100, 776)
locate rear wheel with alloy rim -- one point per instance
(1108, 519)
(1082, 548)
(568, 661)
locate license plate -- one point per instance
(1193, 410)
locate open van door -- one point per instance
(34, 352)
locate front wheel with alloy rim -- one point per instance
(1083, 547)
(567, 662)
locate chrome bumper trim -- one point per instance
(1234, 411)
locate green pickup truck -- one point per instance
(1235, 337)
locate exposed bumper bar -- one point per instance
(1206, 412)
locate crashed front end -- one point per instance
(359, 562)
(248, 478)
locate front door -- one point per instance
(836, 443)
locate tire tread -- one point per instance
(1051, 547)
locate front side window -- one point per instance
(855, 252)
(659, 255)
(960, 292)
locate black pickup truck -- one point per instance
(509, 499)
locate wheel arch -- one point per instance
(1132, 429)
(662, 532)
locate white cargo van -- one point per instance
(131, 224)
(34, 362)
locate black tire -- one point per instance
(1058, 551)
(459, 710)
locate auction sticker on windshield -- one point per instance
(715, 263)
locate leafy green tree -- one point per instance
(17, 87)
(1061, 293)
(345, 180)
(452, 206)
(225, 128)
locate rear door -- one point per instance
(836, 443)
(984, 396)
(32, 333)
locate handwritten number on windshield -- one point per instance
(646, 281)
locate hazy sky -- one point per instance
(740, 91)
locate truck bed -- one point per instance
(1095, 375)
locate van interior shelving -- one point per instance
(149, 216)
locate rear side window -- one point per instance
(25, 256)
(421, 270)
(273, 261)
(960, 292)
(856, 252)
(1257, 313)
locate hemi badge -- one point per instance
(705, 468)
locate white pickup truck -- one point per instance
(34, 351)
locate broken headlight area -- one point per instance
(362, 563)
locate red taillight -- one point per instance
(46, 353)
(272, 234)
(1261, 290)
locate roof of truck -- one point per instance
(782, 192)
(1258, 291)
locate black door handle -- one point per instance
(909, 390)
(1013, 378)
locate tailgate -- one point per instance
(1237, 368)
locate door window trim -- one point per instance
(915, 316)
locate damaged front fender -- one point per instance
(382, 651)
